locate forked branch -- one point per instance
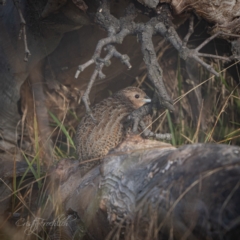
(161, 24)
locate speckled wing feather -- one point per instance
(94, 140)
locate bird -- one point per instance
(105, 127)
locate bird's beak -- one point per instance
(147, 99)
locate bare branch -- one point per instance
(22, 30)
(118, 29)
(100, 63)
(147, 133)
(154, 70)
(83, 66)
(117, 32)
(137, 115)
(190, 31)
(213, 56)
(184, 52)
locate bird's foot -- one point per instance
(159, 136)
(163, 136)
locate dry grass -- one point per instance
(214, 119)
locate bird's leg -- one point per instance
(137, 115)
(22, 30)
(148, 133)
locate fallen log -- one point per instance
(143, 189)
(149, 190)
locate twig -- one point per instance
(118, 29)
(100, 63)
(154, 70)
(184, 52)
(22, 30)
(147, 133)
(190, 31)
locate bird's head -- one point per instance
(136, 96)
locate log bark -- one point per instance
(149, 190)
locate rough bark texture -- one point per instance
(159, 193)
(150, 190)
(61, 90)
(44, 33)
(179, 192)
(223, 14)
(43, 37)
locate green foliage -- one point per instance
(170, 123)
(63, 129)
(218, 120)
(36, 173)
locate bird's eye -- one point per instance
(136, 96)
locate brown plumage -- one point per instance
(95, 139)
